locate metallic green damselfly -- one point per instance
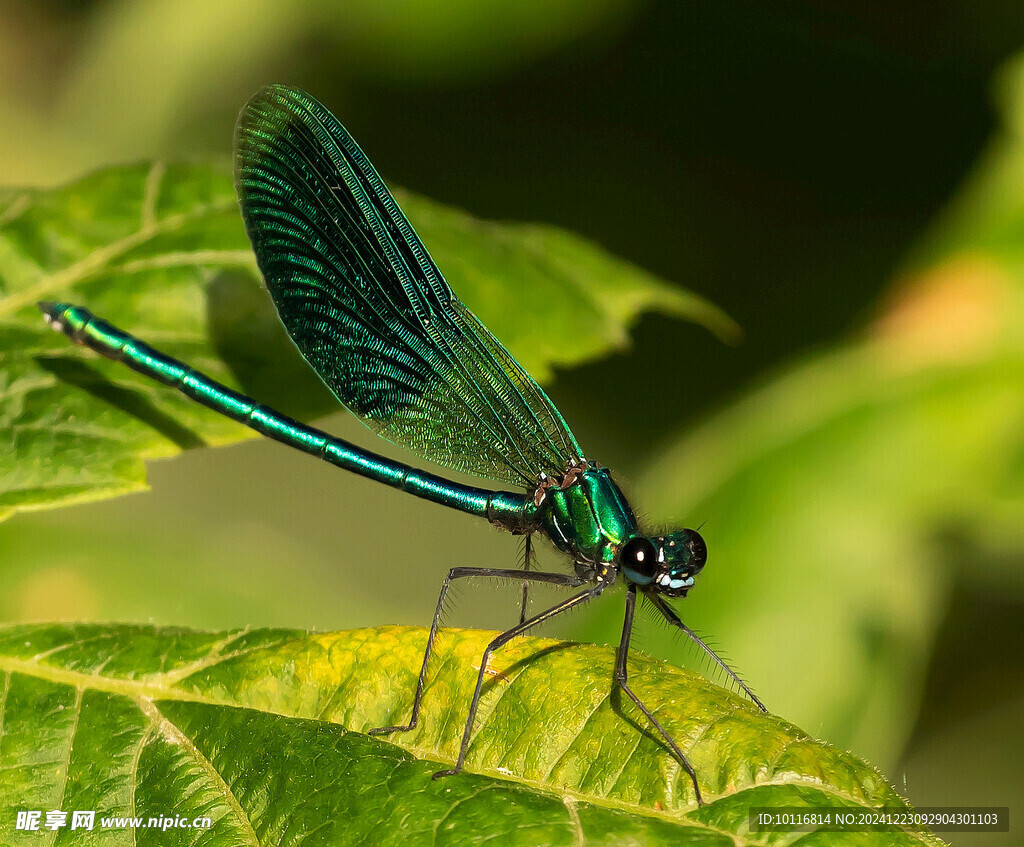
(371, 313)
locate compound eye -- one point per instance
(698, 551)
(639, 556)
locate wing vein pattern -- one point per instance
(368, 308)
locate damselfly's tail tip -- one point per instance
(51, 313)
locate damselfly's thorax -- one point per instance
(585, 514)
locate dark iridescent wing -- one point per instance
(369, 310)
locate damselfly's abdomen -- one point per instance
(589, 517)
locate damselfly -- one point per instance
(371, 313)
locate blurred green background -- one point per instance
(844, 179)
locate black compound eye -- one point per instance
(639, 556)
(698, 551)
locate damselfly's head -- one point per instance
(666, 563)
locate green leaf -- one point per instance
(263, 731)
(160, 251)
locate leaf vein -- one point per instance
(190, 259)
(604, 698)
(574, 818)
(102, 257)
(173, 733)
(79, 694)
(152, 193)
(134, 776)
(454, 806)
(3, 705)
(16, 208)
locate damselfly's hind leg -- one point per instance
(504, 638)
(673, 618)
(622, 678)
(459, 573)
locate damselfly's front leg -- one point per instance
(622, 678)
(460, 573)
(673, 618)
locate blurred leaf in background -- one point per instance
(117, 77)
(854, 494)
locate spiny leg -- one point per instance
(526, 583)
(459, 573)
(621, 677)
(499, 642)
(671, 616)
